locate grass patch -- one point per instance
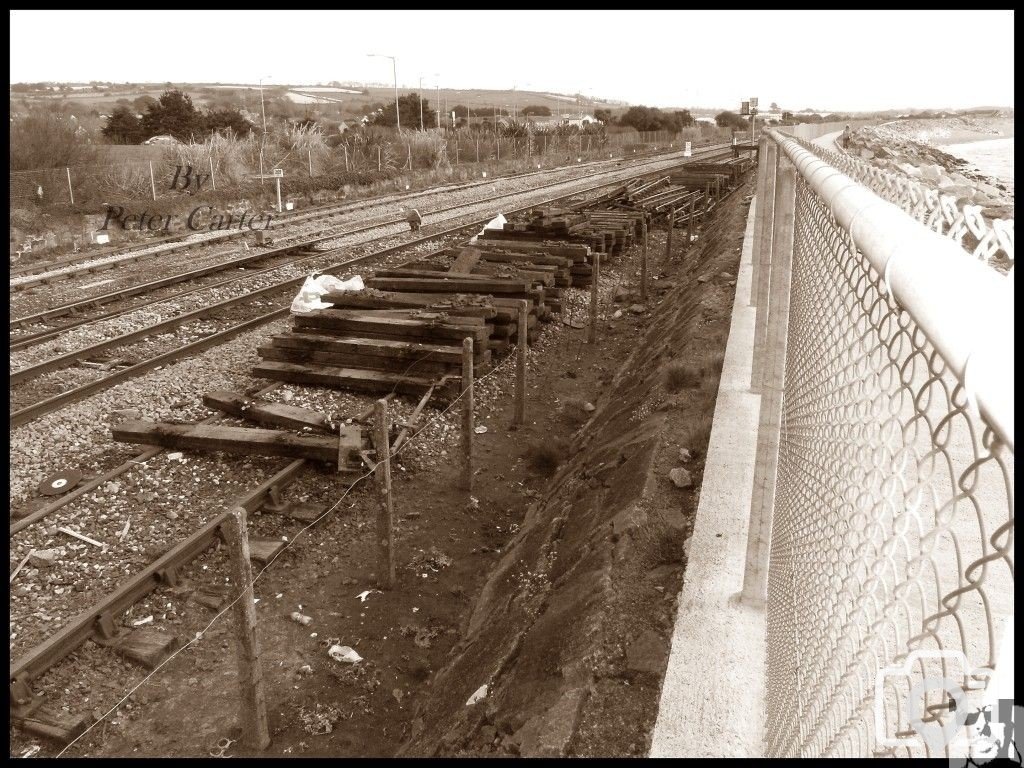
(682, 376)
(711, 370)
(545, 457)
(696, 434)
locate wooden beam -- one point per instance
(244, 440)
(262, 412)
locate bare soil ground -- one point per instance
(555, 584)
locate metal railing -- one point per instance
(990, 240)
(881, 537)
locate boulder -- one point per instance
(681, 477)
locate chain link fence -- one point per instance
(989, 240)
(890, 536)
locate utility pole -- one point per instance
(420, 93)
(437, 96)
(394, 72)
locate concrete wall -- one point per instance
(811, 131)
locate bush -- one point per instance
(47, 138)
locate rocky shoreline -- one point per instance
(909, 147)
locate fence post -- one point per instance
(213, 178)
(643, 259)
(755, 575)
(671, 226)
(309, 152)
(592, 330)
(152, 182)
(253, 713)
(761, 266)
(344, 148)
(71, 192)
(386, 513)
(478, 149)
(520, 412)
(378, 158)
(497, 155)
(467, 413)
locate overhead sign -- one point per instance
(279, 171)
(753, 101)
(745, 108)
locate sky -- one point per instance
(826, 60)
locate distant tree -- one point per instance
(651, 119)
(228, 119)
(142, 103)
(408, 112)
(173, 114)
(604, 115)
(775, 106)
(787, 116)
(683, 118)
(124, 127)
(534, 109)
(728, 119)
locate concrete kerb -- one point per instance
(712, 698)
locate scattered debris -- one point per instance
(589, 407)
(365, 594)
(637, 309)
(302, 619)
(478, 695)
(685, 455)
(59, 483)
(80, 537)
(480, 429)
(343, 653)
(320, 721)
(21, 565)
(143, 622)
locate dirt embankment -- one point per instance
(570, 632)
(911, 148)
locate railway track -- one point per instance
(25, 384)
(281, 256)
(40, 273)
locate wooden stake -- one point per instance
(592, 332)
(643, 261)
(253, 712)
(386, 514)
(520, 412)
(467, 413)
(689, 221)
(671, 226)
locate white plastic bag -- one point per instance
(308, 298)
(498, 222)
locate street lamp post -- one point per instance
(263, 139)
(394, 72)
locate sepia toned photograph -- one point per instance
(512, 383)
